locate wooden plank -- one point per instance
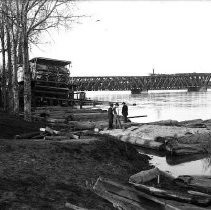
(137, 116)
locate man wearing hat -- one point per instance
(110, 116)
(125, 111)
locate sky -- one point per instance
(131, 38)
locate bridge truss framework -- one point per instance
(143, 83)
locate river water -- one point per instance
(164, 105)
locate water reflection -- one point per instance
(199, 164)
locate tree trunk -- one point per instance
(15, 80)
(27, 79)
(19, 51)
(9, 67)
(4, 104)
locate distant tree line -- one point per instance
(21, 24)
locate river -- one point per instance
(164, 105)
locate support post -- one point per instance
(138, 91)
(197, 89)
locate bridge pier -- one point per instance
(197, 89)
(138, 91)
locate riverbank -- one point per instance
(55, 161)
(43, 174)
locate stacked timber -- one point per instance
(51, 82)
(75, 119)
(160, 137)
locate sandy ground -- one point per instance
(40, 174)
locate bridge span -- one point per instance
(189, 81)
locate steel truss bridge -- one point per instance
(190, 81)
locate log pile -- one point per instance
(173, 139)
(143, 193)
(63, 123)
(50, 82)
(176, 140)
(72, 118)
(187, 189)
(48, 133)
(126, 197)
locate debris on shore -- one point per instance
(60, 159)
(37, 173)
(173, 137)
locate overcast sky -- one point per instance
(133, 37)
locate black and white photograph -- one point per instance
(105, 104)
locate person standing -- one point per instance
(116, 116)
(125, 112)
(110, 116)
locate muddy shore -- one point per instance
(42, 174)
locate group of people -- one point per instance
(113, 115)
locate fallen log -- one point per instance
(197, 199)
(190, 122)
(166, 122)
(89, 116)
(70, 135)
(41, 136)
(57, 138)
(27, 135)
(199, 183)
(175, 160)
(87, 125)
(184, 149)
(148, 151)
(148, 175)
(195, 138)
(142, 142)
(49, 130)
(155, 137)
(145, 176)
(120, 197)
(52, 120)
(73, 207)
(128, 198)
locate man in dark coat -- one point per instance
(110, 116)
(125, 111)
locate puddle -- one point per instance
(199, 164)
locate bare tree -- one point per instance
(10, 12)
(25, 21)
(38, 16)
(3, 76)
(3, 51)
